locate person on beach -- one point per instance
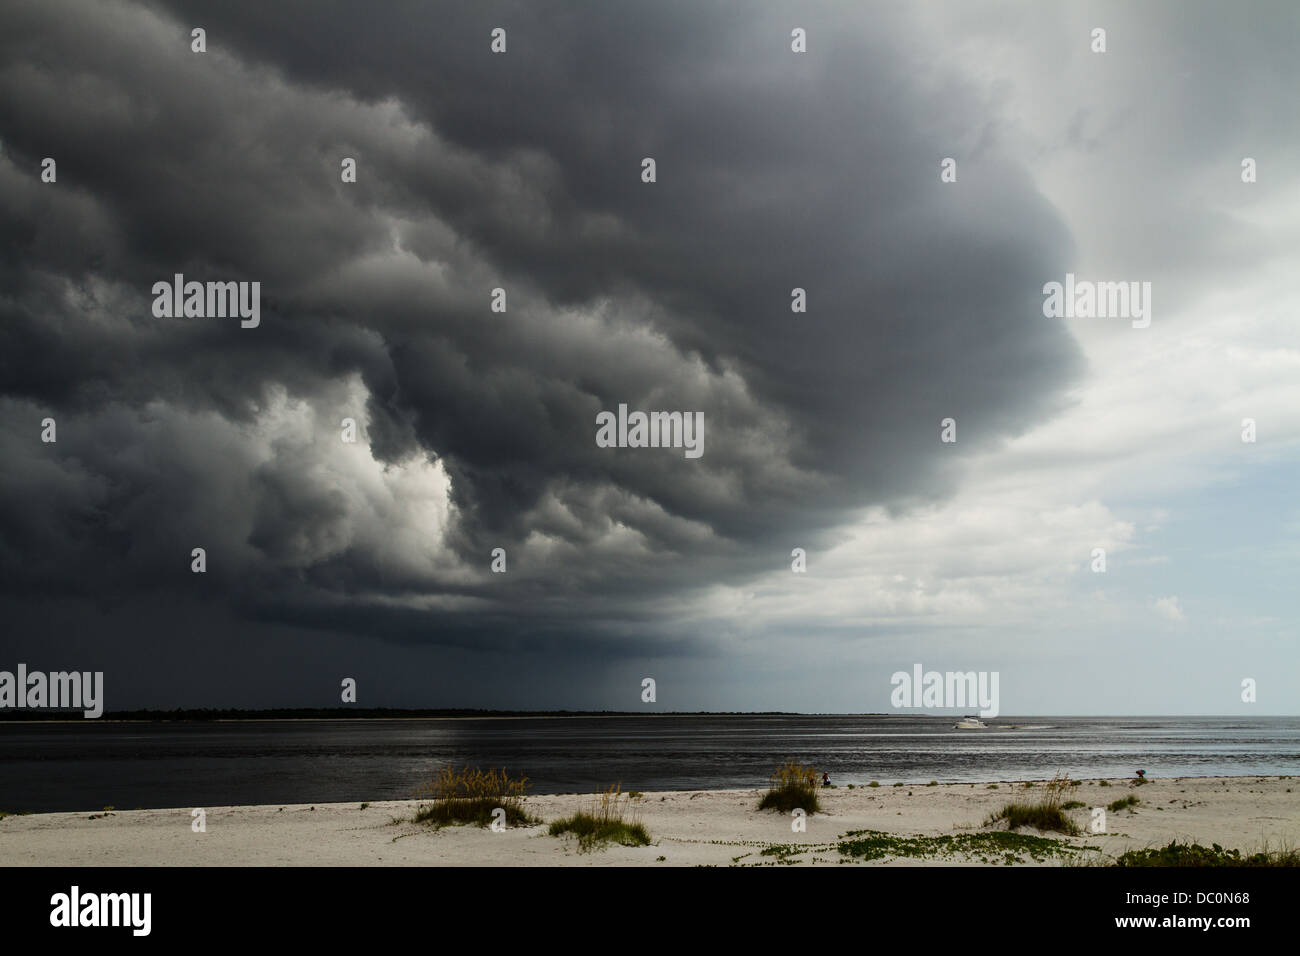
(826, 779)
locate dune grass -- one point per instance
(611, 819)
(1127, 803)
(1045, 815)
(471, 796)
(792, 787)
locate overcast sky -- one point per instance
(476, 429)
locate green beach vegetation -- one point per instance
(471, 796)
(998, 848)
(611, 819)
(1047, 814)
(1195, 855)
(792, 787)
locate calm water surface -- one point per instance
(88, 766)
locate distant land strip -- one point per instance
(371, 713)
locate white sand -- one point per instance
(687, 828)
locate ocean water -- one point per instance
(90, 765)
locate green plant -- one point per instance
(1195, 855)
(610, 820)
(999, 846)
(471, 796)
(792, 787)
(1046, 814)
(1128, 802)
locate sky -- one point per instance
(775, 170)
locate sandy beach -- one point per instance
(688, 828)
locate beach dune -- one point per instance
(688, 828)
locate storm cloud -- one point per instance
(522, 170)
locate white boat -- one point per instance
(969, 723)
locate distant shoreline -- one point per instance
(326, 714)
